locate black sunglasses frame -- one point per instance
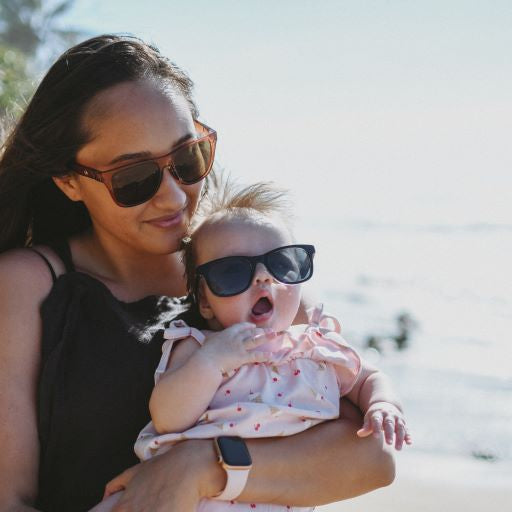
(204, 269)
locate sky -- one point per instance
(387, 111)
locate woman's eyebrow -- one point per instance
(146, 154)
(130, 156)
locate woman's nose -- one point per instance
(261, 274)
(170, 194)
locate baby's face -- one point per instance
(267, 302)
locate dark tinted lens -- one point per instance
(290, 264)
(193, 162)
(135, 185)
(229, 276)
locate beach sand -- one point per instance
(435, 483)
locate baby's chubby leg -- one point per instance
(107, 504)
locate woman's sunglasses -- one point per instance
(292, 264)
(188, 163)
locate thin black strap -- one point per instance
(61, 248)
(54, 275)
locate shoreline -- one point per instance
(431, 483)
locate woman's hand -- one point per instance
(175, 480)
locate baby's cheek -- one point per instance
(287, 305)
(231, 311)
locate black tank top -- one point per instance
(98, 359)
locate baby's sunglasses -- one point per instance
(134, 184)
(232, 275)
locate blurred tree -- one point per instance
(29, 24)
(28, 35)
(15, 84)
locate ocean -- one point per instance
(453, 283)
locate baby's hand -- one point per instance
(234, 346)
(383, 416)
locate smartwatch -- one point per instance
(235, 458)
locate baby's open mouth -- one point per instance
(262, 306)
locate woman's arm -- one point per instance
(321, 465)
(24, 282)
(325, 464)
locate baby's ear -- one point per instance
(204, 306)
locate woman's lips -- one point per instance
(167, 221)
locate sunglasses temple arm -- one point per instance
(194, 293)
(89, 174)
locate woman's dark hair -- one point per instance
(50, 133)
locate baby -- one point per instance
(253, 373)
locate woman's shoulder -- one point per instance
(30, 271)
(25, 282)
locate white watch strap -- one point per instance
(236, 480)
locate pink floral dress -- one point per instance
(300, 386)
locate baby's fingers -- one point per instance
(366, 429)
(389, 429)
(258, 356)
(376, 422)
(241, 328)
(407, 438)
(259, 337)
(400, 434)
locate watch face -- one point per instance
(234, 451)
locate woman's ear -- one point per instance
(204, 306)
(69, 185)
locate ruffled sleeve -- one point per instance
(177, 330)
(331, 347)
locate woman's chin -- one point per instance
(168, 244)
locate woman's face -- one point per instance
(130, 122)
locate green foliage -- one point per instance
(15, 83)
(27, 28)
(29, 24)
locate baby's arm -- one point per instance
(183, 393)
(374, 395)
(194, 373)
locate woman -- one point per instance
(88, 270)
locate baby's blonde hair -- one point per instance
(226, 200)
